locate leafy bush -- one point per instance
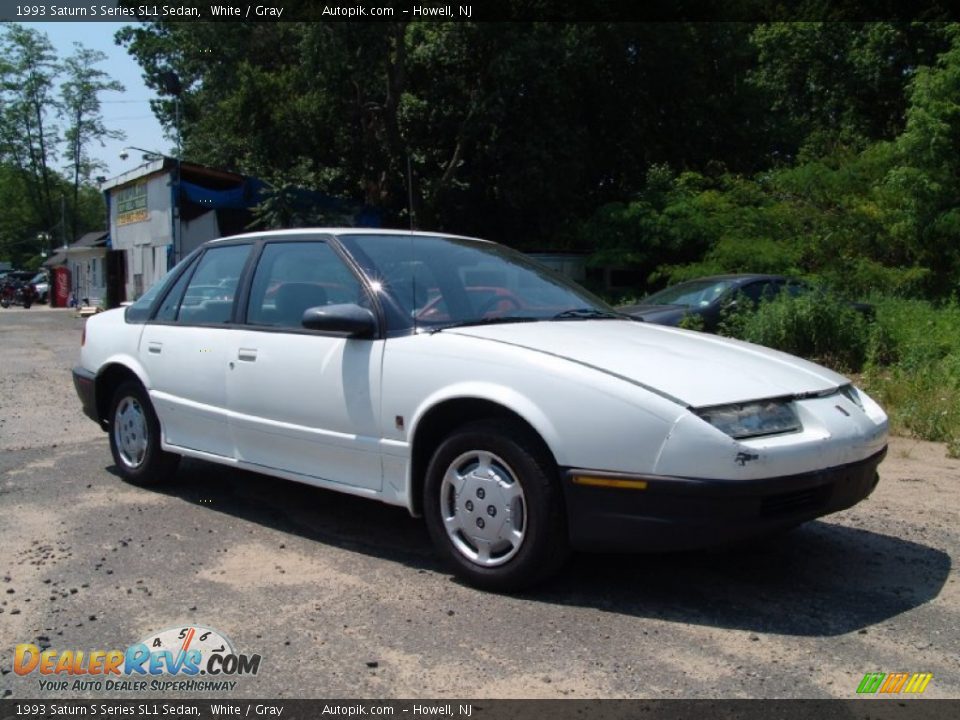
(692, 321)
(923, 402)
(817, 326)
(910, 356)
(914, 368)
(915, 333)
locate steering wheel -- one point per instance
(495, 302)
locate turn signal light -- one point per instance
(593, 481)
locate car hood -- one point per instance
(663, 314)
(642, 308)
(691, 368)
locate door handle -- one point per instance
(247, 354)
(154, 347)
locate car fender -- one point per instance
(509, 398)
(128, 362)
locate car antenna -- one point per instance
(410, 190)
(413, 265)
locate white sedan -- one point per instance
(520, 415)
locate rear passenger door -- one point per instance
(184, 350)
(302, 401)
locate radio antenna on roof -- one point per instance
(413, 266)
(410, 190)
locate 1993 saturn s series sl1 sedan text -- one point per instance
(520, 415)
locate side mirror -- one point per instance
(348, 319)
(732, 305)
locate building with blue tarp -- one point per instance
(162, 210)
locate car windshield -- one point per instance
(429, 281)
(696, 293)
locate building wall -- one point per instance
(198, 231)
(88, 275)
(147, 222)
(141, 224)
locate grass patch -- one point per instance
(913, 368)
(909, 356)
(816, 326)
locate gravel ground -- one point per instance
(343, 597)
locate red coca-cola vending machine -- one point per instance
(60, 286)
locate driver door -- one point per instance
(303, 401)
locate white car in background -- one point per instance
(41, 287)
(520, 415)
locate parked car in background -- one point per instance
(16, 289)
(41, 287)
(710, 297)
(517, 413)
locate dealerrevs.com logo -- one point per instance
(176, 659)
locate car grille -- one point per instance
(798, 501)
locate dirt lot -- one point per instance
(343, 597)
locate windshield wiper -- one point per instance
(590, 314)
(485, 321)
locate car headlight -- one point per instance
(753, 419)
(852, 394)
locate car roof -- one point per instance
(738, 277)
(300, 232)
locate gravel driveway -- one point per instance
(343, 597)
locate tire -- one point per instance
(135, 438)
(511, 531)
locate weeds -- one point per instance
(815, 326)
(909, 356)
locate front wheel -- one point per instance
(494, 508)
(135, 438)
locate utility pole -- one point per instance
(63, 223)
(171, 84)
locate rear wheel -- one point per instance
(135, 437)
(493, 506)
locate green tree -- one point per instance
(514, 130)
(80, 102)
(840, 83)
(921, 192)
(28, 130)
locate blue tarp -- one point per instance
(239, 198)
(247, 195)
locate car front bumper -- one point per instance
(650, 513)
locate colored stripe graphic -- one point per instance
(871, 682)
(893, 683)
(918, 683)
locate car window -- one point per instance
(696, 293)
(434, 281)
(292, 277)
(171, 303)
(795, 288)
(761, 290)
(209, 295)
(139, 311)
